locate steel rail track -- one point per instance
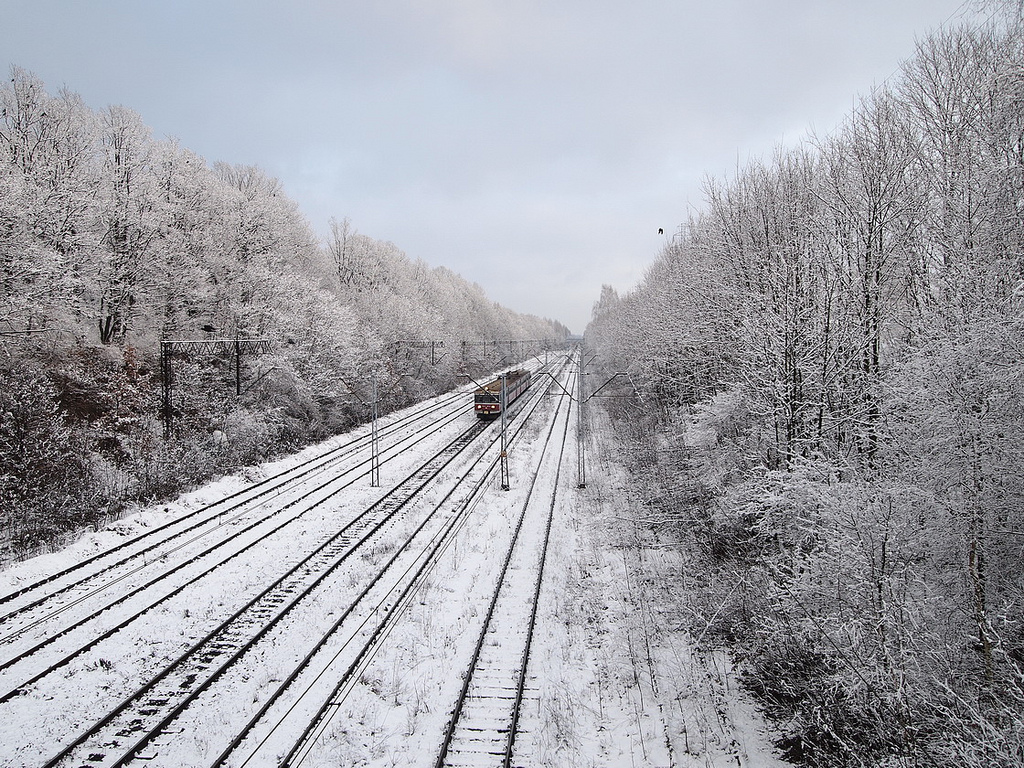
(182, 566)
(196, 519)
(164, 697)
(483, 726)
(390, 607)
(385, 612)
(307, 464)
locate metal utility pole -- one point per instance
(374, 441)
(167, 379)
(372, 404)
(581, 458)
(238, 367)
(503, 399)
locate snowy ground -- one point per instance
(611, 682)
(620, 686)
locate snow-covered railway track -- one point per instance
(171, 691)
(312, 682)
(138, 639)
(28, 606)
(121, 735)
(484, 724)
(34, 659)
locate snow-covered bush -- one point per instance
(46, 490)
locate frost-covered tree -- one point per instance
(112, 242)
(129, 227)
(849, 470)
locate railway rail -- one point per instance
(484, 724)
(390, 609)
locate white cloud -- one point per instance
(479, 134)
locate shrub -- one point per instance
(46, 488)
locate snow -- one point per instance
(611, 681)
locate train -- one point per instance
(487, 399)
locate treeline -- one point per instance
(112, 241)
(832, 356)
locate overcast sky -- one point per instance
(533, 147)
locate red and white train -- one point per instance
(487, 399)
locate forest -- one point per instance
(165, 320)
(823, 402)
